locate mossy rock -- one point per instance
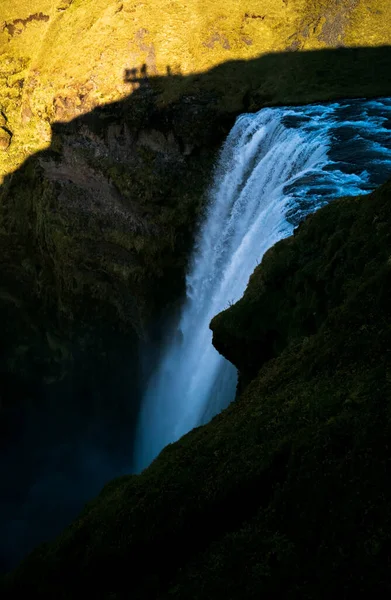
(260, 325)
(286, 493)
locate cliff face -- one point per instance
(94, 238)
(286, 492)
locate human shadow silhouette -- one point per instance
(130, 76)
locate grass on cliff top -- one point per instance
(286, 493)
(61, 58)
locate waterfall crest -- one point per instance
(275, 167)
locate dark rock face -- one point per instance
(95, 235)
(94, 238)
(64, 4)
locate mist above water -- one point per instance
(276, 167)
(59, 445)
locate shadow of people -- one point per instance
(131, 76)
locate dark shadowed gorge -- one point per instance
(234, 507)
(106, 176)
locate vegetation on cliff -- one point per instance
(295, 290)
(286, 492)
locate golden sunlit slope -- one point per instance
(60, 58)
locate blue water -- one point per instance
(276, 167)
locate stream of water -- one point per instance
(276, 166)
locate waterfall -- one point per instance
(276, 166)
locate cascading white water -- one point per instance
(275, 167)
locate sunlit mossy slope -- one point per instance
(60, 58)
(286, 494)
